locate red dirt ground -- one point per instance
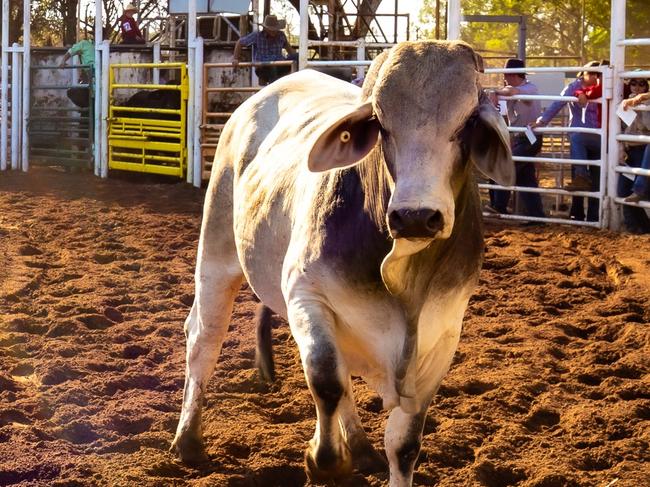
(550, 386)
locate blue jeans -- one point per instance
(525, 176)
(636, 220)
(642, 183)
(585, 146)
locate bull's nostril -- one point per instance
(395, 221)
(434, 222)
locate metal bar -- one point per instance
(170, 111)
(617, 62)
(634, 74)
(247, 64)
(56, 66)
(560, 221)
(303, 47)
(229, 89)
(637, 171)
(26, 80)
(16, 118)
(633, 138)
(198, 88)
(117, 86)
(339, 63)
(540, 69)
(148, 65)
(547, 98)
(453, 19)
(527, 189)
(561, 161)
(640, 204)
(567, 130)
(4, 86)
(633, 42)
(108, 76)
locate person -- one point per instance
(267, 45)
(85, 49)
(582, 146)
(637, 155)
(129, 26)
(521, 113)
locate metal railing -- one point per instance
(61, 135)
(213, 122)
(559, 190)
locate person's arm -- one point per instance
(635, 100)
(236, 53)
(508, 91)
(556, 106)
(245, 41)
(66, 56)
(287, 47)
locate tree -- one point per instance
(578, 28)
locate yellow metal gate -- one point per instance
(145, 139)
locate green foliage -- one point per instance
(576, 28)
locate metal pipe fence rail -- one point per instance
(213, 122)
(60, 135)
(618, 44)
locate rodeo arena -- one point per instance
(377, 260)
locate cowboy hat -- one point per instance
(130, 8)
(271, 22)
(590, 64)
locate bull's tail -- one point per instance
(264, 345)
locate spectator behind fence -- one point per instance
(267, 45)
(521, 113)
(583, 146)
(129, 26)
(637, 155)
(85, 49)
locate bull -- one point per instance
(354, 214)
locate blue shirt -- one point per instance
(265, 47)
(575, 110)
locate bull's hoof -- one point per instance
(368, 460)
(329, 467)
(189, 450)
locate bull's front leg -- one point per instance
(217, 282)
(312, 325)
(402, 440)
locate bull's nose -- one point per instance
(408, 223)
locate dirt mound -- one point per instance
(549, 388)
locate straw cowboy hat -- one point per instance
(130, 8)
(271, 22)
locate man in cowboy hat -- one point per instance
(521, 113)
(267, 45)
(129, 26)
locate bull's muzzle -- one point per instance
(420, 223)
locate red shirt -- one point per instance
(593, 92)
(130, 31)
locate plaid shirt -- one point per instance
(265, 47)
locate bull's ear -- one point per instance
(346, 140)
(490, 145)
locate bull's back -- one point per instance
(263, 150)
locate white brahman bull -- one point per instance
(353, 213)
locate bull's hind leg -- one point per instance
(403, 439)
(218, 278)
(366, 459)
(328, 455)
